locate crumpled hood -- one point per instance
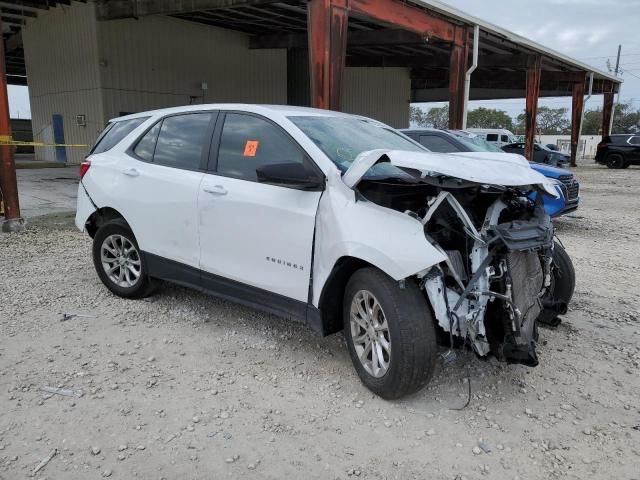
(485, 168)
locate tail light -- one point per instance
(84, 168)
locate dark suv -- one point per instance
(619, 151)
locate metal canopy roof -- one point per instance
(503, 55)
(14, 14)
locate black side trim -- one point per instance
(171, 271)
(218, 286)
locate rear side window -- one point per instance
(619, 139)
(181, 140)
(115, 132)
(438, 144)
(147, 144)
(492, 137)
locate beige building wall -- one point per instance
(101, 70)
(61, 56)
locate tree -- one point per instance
(592, 122)
(553, 121)
(626, 120)
(437, 117)
(550, 121)
(416, 116)
(489, 118)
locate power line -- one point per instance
(610, 56)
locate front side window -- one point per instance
(249, 142)
(438, 144)
(504, 138)
(115, 132)
(181, 140)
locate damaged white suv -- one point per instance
(331, 219)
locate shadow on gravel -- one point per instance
(57, 221)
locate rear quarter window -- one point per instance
(619, 139)
(114, 133)
(634, 141)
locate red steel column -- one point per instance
(458, 64)
(8, 182)
(577, 104)
(327, 29)
(534, 72)
(607, 109)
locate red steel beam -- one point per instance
(458, 64)
(534, 72)
(327, 30)
(577, 104)
(8, 182)
(400, 14)
(607, 109)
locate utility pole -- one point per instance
(8, 182)
(617, 104)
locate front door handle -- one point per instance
(131, 172)
(215, 189)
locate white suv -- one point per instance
(331, 219)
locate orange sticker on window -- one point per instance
(251, 148)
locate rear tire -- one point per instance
(615, 160)
(119, 263)
(398, 326)
(563, 284)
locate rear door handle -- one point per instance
(131, 172)
(215, 189)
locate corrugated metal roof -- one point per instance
(463, 17)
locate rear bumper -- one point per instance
(84, 208)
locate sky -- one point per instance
(588, 30)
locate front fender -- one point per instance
(389, 240)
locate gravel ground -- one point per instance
(182, 385)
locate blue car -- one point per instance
(565, 184)
(455, 141)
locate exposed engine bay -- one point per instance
(498, 245)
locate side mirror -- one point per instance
(292, 175)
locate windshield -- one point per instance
(342, 139)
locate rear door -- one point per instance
(253, 233)
(160, 185)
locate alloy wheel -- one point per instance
(370, 333)
(121, 260)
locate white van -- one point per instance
(496, 136)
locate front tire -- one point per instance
(119, 263)
(389, 332)
(563, 284)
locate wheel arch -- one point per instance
(101, 216)
(332, 295)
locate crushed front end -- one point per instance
(498, 245)
(498, 268)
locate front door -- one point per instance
(254, 233)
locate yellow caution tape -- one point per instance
(7, 140)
